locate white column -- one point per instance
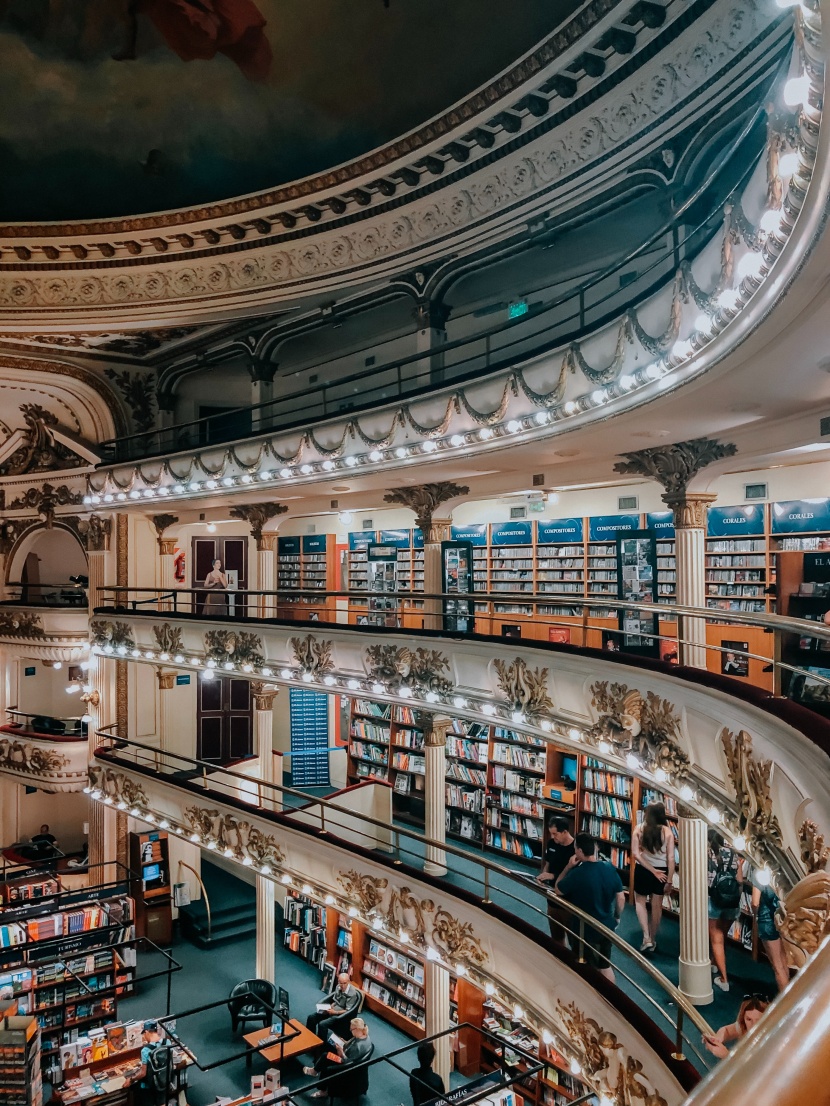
(438, 530)
(435, 766)
(166, 682)
(97, 561)
(690, 561)
(266, 567)
(695, 972)
(167, 568)
(264, 742)
(437, 993)
(265, 928)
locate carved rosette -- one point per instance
(424, 500)
(397, 666)
(168, 638)
(426, 923)
(257, 515)
(750, 777)
(312, 654)
(525, 689)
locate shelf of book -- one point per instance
(305, 928)
(391, 977)
(21, 1081)
(606, 810)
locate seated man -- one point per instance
(339, 1003)
(343, 1055)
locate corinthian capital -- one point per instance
(424, 500)
(257, 515)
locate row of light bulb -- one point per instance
(338, 684)
(751, 267)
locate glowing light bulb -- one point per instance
(750, 265)
(739, 842)
(574, 734)
(599, 396)
(376, 455)
(514, 427)
(771, 222)
(713, 814)
(763, 876)
(459, 701)
(456, 440)
(661, 775)
(488, 709)
(400, 452)
(542, 417)
(686, 793)
(429, 446)
(485, 433)
(627, 382)
(351, 461)
(353, 685)
(306, 469)
(796, 91)
(703, 323)
(570, 407)
(285, 473)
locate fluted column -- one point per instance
(266, 566)
(690, 561)
(265, 928)
(695, 973)
(437, 993)
(264, 696)
(438, 530)
(435, 768)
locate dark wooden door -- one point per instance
(224, 720)
(233, 553)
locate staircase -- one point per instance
(232, 911)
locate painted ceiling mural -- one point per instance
(130, 106)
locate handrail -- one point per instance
(285, 800)
(184, 864)
(120, 448)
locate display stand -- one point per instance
(150, 886)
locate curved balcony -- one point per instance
(46, 622)
(47, 753)
(482, 920)
(682, 732)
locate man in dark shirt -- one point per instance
(595, 887)
(423, 1081)
(558, 853)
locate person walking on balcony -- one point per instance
(215, 581)
(726, 878)
(765, 903)
(558, 853)
(595, 887)
(652, 847)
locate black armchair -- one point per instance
(340, 1025)
(253, 1000)
(349, 1085)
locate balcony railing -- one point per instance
(589, 306)
(69, 594)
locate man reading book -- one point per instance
(338, 1005)
(342, 1054)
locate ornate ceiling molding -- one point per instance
(257, 515)
(675, 466)
(424, 500)
(489, 174)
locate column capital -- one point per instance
(435, 729)
(424, 500)
(167, 546)
(263, 695)
(167, 680)
(266, 543)
(689, 508)
(95, 533)
(675, 466)
(256, 515)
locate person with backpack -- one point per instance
(726, 878)
(152, 1051)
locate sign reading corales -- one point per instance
(475, 533)
(417, 538)
(800, 516)
(511, 533)
(735, 522)
(359, 539)
(606, 527)
(661, 522)
(399, 538)
(288, 547)
(551, 531)
(314, 543)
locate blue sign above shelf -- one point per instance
(359, 539)
(735, 522)
(287, 547)
(606, 527)
(475, 533)
(801, 516)
(511, 533)
(417, 538)
(401, 539)
(554, 531)
(661, 522)
(314, 543)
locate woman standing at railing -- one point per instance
(653, 848)
(215, 581)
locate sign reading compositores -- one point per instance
(735, 522)
(511, 533)
(801, 516)
(475, 534)
(555, 531)
(662, 523)
(399, 538)
(359, 539)
(606, 527)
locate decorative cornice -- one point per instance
(95, 533)
(525, 690)
(28, 759)
(750, 777)
(111, 636)
(39, 451)
(424, 500)
(45, 500)
(396, 667)
(225, 831)
(162, 523)
(22, 624)
(257, 515)
(168, 639)
(236, 647)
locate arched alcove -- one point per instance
(46, 556)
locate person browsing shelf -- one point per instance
(151, 1039)
(424, 1083)
(752, 1010)
(343, 1054)
(560, 849)
(726, 878)
(593, 885)
(653, 849)
(337, 1004)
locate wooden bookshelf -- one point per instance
(150, 885)
(21, 1082)
(306, 928)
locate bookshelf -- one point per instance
(150, 886)
(21, 1082)
(304, 931)
(466, 779)
(606, 811)
(392, 979)
(358, 571)
(370, 729)
(516, 776)
(408, 764)
(558, 1084)
(511, 1033)
(318, 568)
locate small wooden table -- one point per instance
(304, 1041)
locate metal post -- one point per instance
(678, 1054)
(582, 941)
(397, 860)
(776, 662)
(486, 886)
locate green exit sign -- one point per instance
(516, 309)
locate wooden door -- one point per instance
(224, 720)
(233, 553)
